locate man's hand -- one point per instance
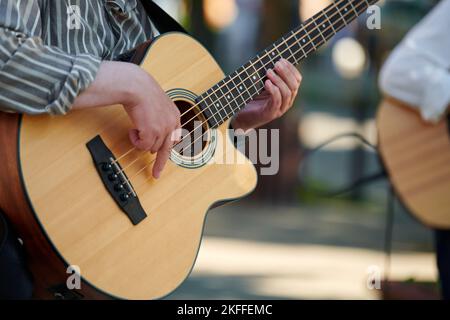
(281, 88)
(154, 116)
(156, 120)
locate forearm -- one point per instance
(417, 72)
(420, 83)
(112, 85)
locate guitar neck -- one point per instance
(231, 94)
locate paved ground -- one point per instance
(324, 252)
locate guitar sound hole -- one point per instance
(195, 127)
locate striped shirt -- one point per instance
(50, 50)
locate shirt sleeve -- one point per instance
(417, 72)
(36, 78)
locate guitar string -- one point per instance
(292, 55)
(288, 48)
(317, 28)
(219, 88)
(293, 34)
(312, 50)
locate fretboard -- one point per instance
(231, 94)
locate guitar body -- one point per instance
(70, 208)
(79, 195)
(417, 158)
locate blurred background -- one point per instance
(286, 241)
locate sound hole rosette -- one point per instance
(186, 99)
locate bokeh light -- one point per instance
(349, 58)
(220, 14)
(308, 8)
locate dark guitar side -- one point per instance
(47, 268)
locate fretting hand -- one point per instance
(280, 90)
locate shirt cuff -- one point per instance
(81, 75)
(437, 96)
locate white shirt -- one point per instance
(417, 72)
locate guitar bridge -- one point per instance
(115, 180)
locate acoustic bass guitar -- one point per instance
(80, 195)
(416, 155)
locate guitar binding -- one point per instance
(115, 180)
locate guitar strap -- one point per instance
(162, 21)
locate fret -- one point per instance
(305, 42)
(354, 10)
(267, 59)
(257, 69)
(296, 49)
(274, 55)
(328, 20)
(324, 26)
(282, 49)
(313, 34)
(317, 27)
(237, 96)
(292, 57)
(206, 111)
(231, 101)
(309, 39)
(209, 111)
(260, 68)
(225, 99)
(248, 81)
(346, 10)
(360, 5)
(232, 93)
(241, 85)
(367, 3)
(336, 17)
(251, 79)
(215, 107)
(277, 56)
(220, 109)
(200, 101)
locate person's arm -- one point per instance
(36, 78)
(418, 70)
(154, 116)
(280, 91)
